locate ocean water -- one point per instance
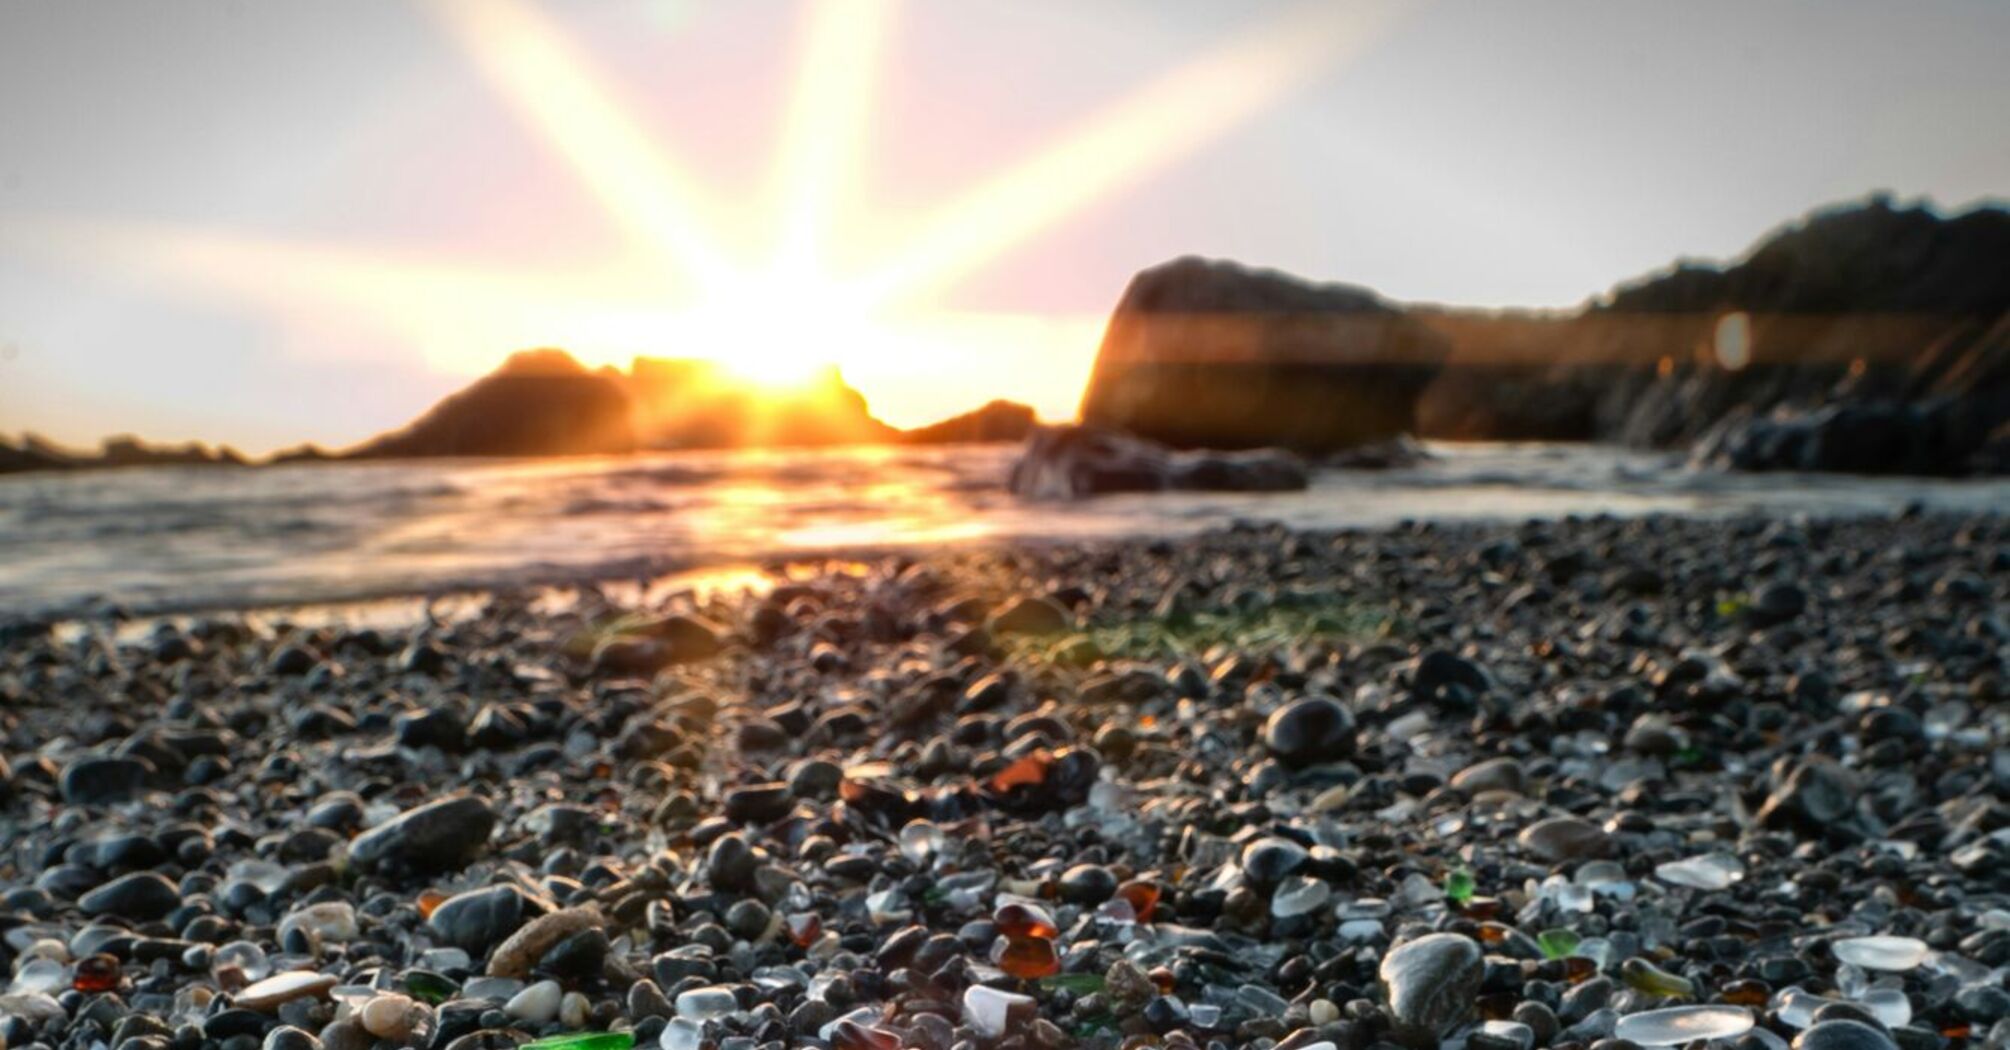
(170, 539)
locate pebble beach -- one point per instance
(1584, 784)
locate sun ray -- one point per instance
(1152, 127)
(824, 138)
(551, 85)
(457, 309)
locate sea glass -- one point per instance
(1710, 872)
(1891, 954)
(1680, 1025)
(584, 1041)
(708, 1003)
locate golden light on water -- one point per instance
(773, 314)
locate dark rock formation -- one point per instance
(539, 403)
(1071, 462)
(1212, 355)
(996, 421)
(1890, 324)
(38, 453)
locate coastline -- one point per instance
(1294, 752)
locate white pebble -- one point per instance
(537, 1004)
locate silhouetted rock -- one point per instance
(1071, 462)
(1867, 338)
(539, 403)
(1207, 354)
(996, 421)
(38, 453)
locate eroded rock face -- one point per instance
(1072, 462)
(1209, 354)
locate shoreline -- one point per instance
(1259, 787)
(735, 571)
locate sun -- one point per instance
(775, 316)
(781, 333)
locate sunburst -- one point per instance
(683, 292)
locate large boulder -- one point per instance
(1210, 354)
(1070, 462)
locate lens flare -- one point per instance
(785, 322)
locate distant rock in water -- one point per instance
(539, 403)
(1071, 462)
(1209, 354)
(38, 453)
(996, 421)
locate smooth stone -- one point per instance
(1684, 1024)
(1271, 858)
(287, 1037)
(537, 1003)
(1843, 1035)
(1033, 615)
(438, 836)
(391, 1016)
(478, 919)
(142, 896)
(1892, 954)
(103, 780)
(516, 956)
(1433, 983)
(758, 803)
(268, 994)
(1310, 731)
(1560, 839)
(1494, 774)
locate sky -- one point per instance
(261, 223)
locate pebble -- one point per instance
(479, 919)
(140, 896)
(1561, 839)
(516, 956)
(1310, 731)
(1432, 982)
(438, 836)
(1268, 827)
(1843, 1035)
(537, 1003)
(104, 780)
(267, 995)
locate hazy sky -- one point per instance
(195, 196)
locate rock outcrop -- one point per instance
(38, 453)
(1867, 338)
(1209, 354)
(539, 403)
(1071, 462)
(996, 421)
(1855, 327)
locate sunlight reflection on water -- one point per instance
(174, 538)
